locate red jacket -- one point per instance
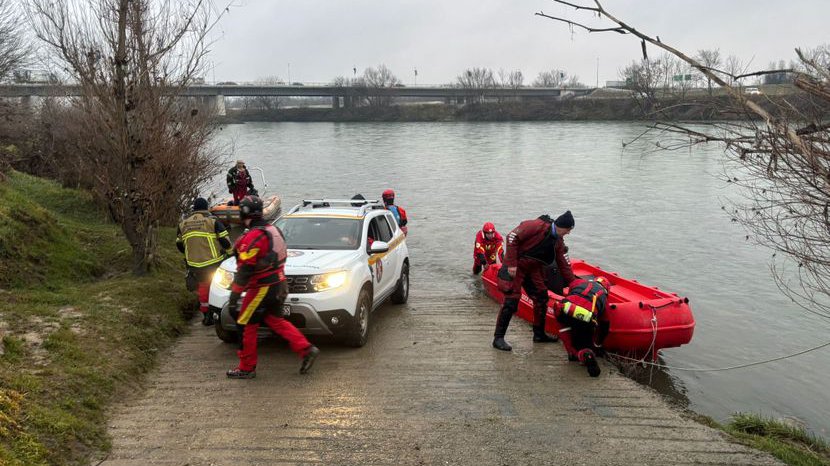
(489, 249)
(260, 257)
(526, 241)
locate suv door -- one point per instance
(382, 265)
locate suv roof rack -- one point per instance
(363, 204)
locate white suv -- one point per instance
(345, 258)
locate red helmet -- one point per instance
(604, 281)
(488, 228)
(389, 194)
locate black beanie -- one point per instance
(565, 220)
(200, 204)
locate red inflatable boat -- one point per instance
(644, 319)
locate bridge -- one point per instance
(345, 96)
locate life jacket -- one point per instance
(277, 252)
(586, 300)
(395, 212)
(201, 243)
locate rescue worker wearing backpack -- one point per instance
(488, 247)
(260, 273)
(531, 247)
(579, 314)
(204, 242)
(398, 212)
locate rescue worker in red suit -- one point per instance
(204, 242)
(239, 182)
(398, 212)
(260, 273)
(531, 247)
(579, 314)
(488, 247)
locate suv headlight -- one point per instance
(223, 278)
(328, 281)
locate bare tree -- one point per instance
(375, 80)
(475, 81)
(733, 66)
(782, 155)
(556, 78)
(511, 79)
(643, 77)
(14, 50)
(711, 59)
(150, 150)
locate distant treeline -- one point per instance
(620, 109)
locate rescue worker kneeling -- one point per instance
(580, 314)
(260, 273)
(488, 248)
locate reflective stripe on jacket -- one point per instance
(201, 241)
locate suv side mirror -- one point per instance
(379, 247)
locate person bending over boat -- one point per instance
(580, 314)
(239, 182)
(204, 241)
(488, 247)
(398, 212)
(531, 247)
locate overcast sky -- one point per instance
(440, 38)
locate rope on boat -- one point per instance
(720, 369)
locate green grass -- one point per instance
(78, 329)
(790, 444)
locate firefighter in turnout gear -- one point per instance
(204, 241)
(488, 248)
(531, 247)
(580, 313)
(260, 273)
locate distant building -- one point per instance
(616, 84)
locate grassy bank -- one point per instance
(790, 444)
(77, 329)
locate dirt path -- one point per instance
(427, 389)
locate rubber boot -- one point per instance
(308, 360)
(565, 336)
(588, 358)
(539, 335)
(240, 374)
(207, 319)
(509, 307)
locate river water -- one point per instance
(653, 216)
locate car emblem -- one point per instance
(379, 270)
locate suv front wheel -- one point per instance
(358, 333)
(401, 293)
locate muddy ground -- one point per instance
(427, 389)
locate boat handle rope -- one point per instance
(721, 369)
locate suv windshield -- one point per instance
(320, 232)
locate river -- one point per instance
(651, 215)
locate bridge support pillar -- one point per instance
(26, 101)
(218, 103)
(335, 102)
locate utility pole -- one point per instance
(289, 74)
(415, 81)
(597, 72)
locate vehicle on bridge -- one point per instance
(345, 259)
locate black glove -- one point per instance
(233, 305)
(482, 260)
